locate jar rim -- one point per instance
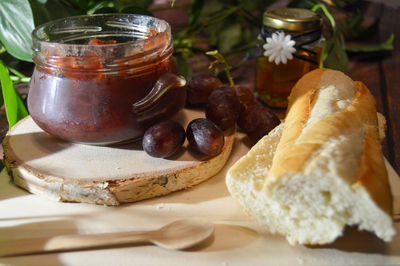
(96, 29)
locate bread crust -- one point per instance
(322, 168)
(295, 149)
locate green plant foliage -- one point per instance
(385, 46)
(219, 59)
(255, 5)
(136, 10)
(103, 7)
(50, 10)
(229, 37)
(16, 25)
(145, 4)
(335, 54)
(15, 108)
(226, 25)
(105, 10)
(182, 65)
(195, 11)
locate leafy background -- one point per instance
(230, 26)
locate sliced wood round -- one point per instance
(108, 175)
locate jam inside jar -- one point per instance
(91, 71)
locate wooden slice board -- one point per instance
(108, 175)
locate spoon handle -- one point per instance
(70, 242)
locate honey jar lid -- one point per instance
(292, 19)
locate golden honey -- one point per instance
(274, 82)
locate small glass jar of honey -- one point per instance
(293, 45)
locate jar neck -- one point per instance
(301, 38)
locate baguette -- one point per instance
(322, 168)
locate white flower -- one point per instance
(279, 48)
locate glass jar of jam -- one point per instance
(102, 79)
(294, 34)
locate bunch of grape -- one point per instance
(225, 107)
(228, 106)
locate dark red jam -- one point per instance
(82, 99)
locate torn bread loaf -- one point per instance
(322, 168)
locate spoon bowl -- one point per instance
(181, 234)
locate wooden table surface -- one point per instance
(380, 72)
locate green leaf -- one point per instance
(106, 10)
(100, 5)
(229, 37)
(137, 10)
(145, 4)
(51, 10)
(368, 48)
(16, 25)
(307, 4)
(366, 33)
(78, 6)
(354, 28)
(344, 3)
(195, 11)
(336, 56)
(219, 58)
(15, 108)
(326, 12)
(255, 5)
(211, 7)
(182, 65)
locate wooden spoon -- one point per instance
(180, 234)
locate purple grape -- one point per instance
(257, 120)
(246, 97)
(163, 139)
(205, 137)
(200, 87)
(223, 107)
